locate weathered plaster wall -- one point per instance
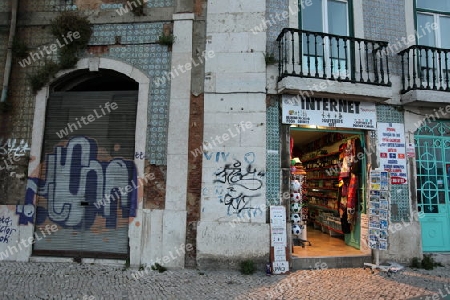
(233, 216)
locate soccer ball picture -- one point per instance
(295, 197)
(295, 218)
(296, 229)
(296, 208)
(295, 185)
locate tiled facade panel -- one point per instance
(384, 20)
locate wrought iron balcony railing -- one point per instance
(425, 68)
(311, 54)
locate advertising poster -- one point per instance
(391, 138)
(378, 210)
(328, 112)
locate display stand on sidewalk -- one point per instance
(378, 211)
(279, 255)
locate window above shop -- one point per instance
(328, 16)
(436, 5)
(436, 13)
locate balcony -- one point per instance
(425, 74)
(340, 65)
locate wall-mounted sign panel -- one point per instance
(328, 112)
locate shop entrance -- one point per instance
(326, 163)
(87, 188)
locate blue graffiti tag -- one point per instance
(75, 176)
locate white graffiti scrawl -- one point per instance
(11, 151)
(237, 183)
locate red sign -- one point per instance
(397, 180)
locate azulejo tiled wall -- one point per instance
(273, 158)
(63, 5)
(384, 20)
(274, 7)
(273, 162)
(137, 47)
(400, 204)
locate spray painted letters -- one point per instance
(11, 151)
(75, 180)
(237, 183)
(6, 229)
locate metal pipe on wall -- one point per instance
(8, 64)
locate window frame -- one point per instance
(435, 14)
(350, 23)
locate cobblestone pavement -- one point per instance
(84, 281)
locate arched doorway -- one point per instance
(88, 180)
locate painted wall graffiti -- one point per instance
(75, 180)
(237, 183)
(6, 229)
(14, 147)
(11, 151)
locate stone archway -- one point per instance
(94, 65)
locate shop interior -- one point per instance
(327, 192)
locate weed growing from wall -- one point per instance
(61, 27)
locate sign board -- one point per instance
(391, 139)
(278, 240)
(328, 112)
(398, 180)
(279, 253)
(410, 150)
(278, 235)
(280, 267)
(278, 216)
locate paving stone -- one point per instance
(95, 282)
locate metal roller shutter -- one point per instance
(88, 154)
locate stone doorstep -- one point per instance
(97, 261)
(307, 263)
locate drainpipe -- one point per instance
(12, 34)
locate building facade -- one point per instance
(90, 150)
(174, 132)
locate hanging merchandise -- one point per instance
(347, 156)
(352, 196)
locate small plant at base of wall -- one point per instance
(427, 263)
(159, 268)
(248, 267)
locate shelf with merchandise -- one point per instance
(320, 206)
(320, 156)
(323, 178)
(318, 189)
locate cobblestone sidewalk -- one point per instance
(83, 281)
